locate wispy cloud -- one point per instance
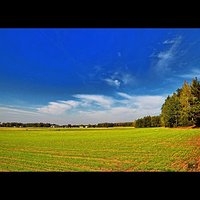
(90, 108)
(119, 78)
(101, 100)
(149, 102)
(8, 114)
(58, 107)
(111, 82)
(192, 74)
(83, 101)
(169, 41)
(127, 78)
(130, 107)
(145, 101)
(115, 114)
(17, 111)
(124, 95)
(12, 114)
(164, 58)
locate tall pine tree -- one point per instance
(185, 101)
(170, 116)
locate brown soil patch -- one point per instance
(195, 141)
(186, 128)
(191, 164)
(194, 163)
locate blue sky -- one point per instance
(92, 75)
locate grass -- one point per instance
(119, 149)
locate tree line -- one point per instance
(99, 125)
(18, 124)
(118, 124)
(148, 121)
(182, 108)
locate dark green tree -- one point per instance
(147, 121)
(170, 115)
(155, 121)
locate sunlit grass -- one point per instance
(121, 149)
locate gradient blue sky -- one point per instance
(92, 75)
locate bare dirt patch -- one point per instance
(186, 128)
(194, 163)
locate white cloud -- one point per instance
(11, 114)
(112, 82)
(115, 114)
(89, 108)
(169, 41)
(17, 111)
(128, 108)
(119, 78)
(17, 115)
(101, 100)
(58, 107)
(143, 102)
(165, 58)
(70, 103)
(124, 95)
(84, 100)
(148, 102)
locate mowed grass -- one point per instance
(118, 149)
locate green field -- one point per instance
(119, 149)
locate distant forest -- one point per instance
(180, 109)
(40, 125)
